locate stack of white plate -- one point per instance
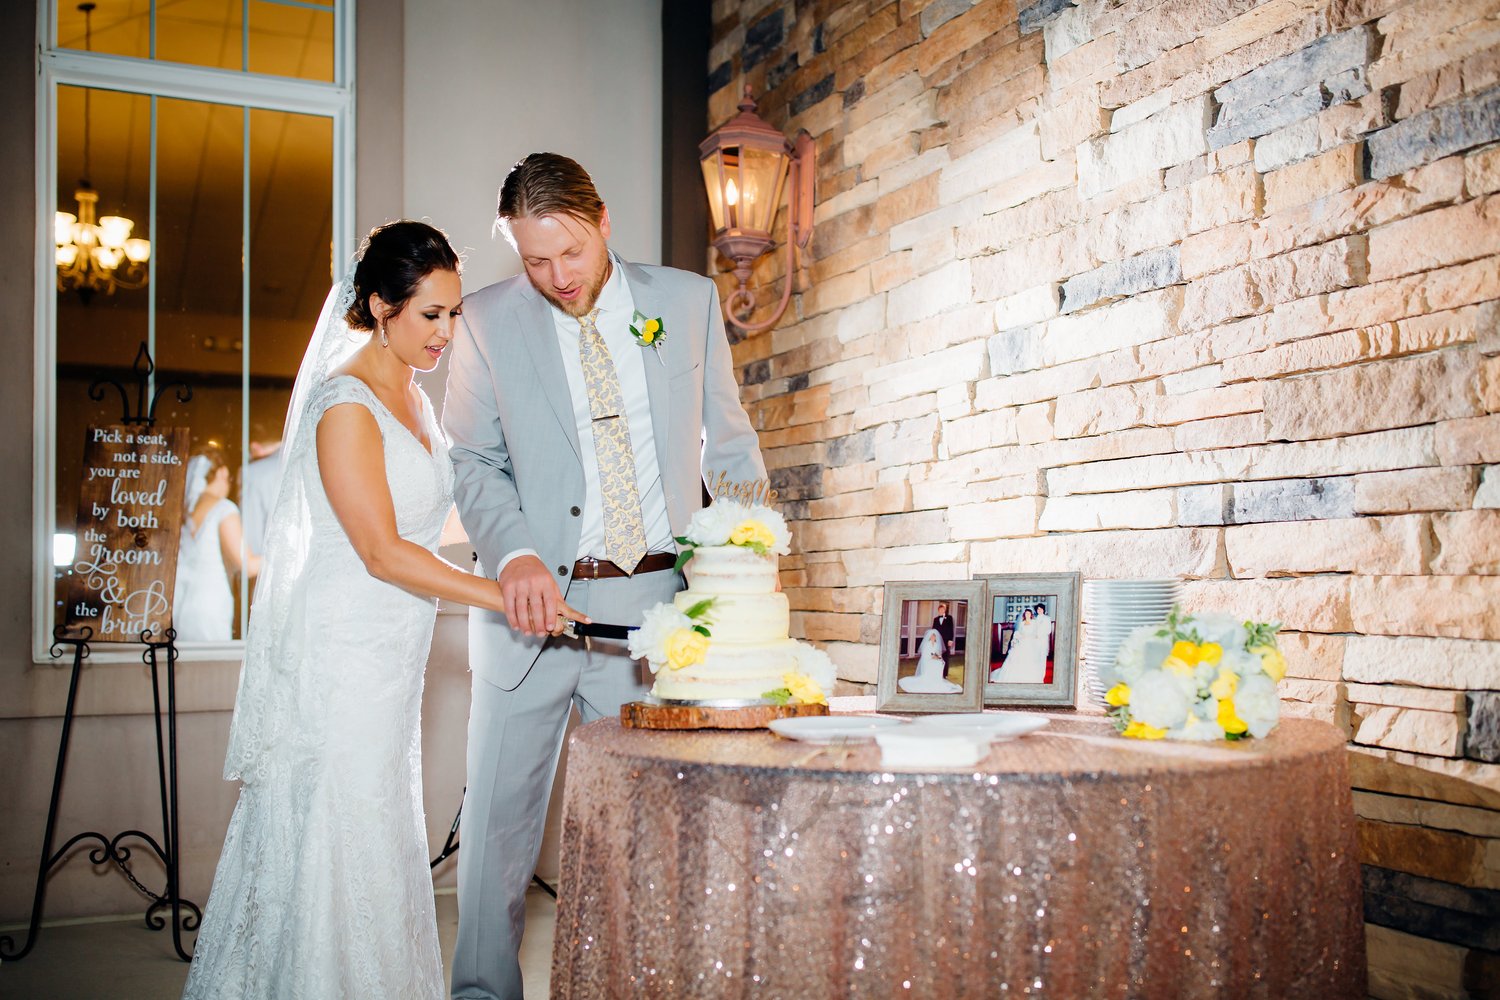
(1111, 610)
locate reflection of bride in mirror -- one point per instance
(1026, 663)
(929, 676)
(208, 557)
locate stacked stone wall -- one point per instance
(1207, 288)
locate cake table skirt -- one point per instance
(1070, 863)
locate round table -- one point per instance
(1068, 863)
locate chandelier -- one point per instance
(96, 254)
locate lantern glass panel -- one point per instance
(713, 182)
(760, 176)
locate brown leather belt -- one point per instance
(603, 569)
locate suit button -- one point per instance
(562, 571)
(575, 512)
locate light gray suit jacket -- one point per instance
(509, 418)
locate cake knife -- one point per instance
(596, 630)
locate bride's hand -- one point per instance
(533, 604)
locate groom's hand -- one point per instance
(533, 603)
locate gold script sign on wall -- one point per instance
(129, 526)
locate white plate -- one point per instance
(986, 725)
(1162, 584)
(832, 728)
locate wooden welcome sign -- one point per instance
(129, 525)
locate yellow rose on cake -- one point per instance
(685, 647)
(810, 683)
(672, 638)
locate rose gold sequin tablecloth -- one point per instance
(1070, 863)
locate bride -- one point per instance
(323, 887)
(1027, 661)
(929, 676)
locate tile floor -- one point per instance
(119, 959)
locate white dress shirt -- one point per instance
(616, 309)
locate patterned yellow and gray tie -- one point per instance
(624, 529)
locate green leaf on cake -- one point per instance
(780, 696)
(700, 609)
(683, 556)
(703, 631)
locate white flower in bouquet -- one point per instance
(1141, 647)
(1257, 703)
(1158, 699)
(1226, 630)
(1201, 722)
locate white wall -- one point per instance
(488, 81)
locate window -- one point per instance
(210, 143)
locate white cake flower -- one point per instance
(713, 524)
(815, 663)
(650, 642)
(727, 522)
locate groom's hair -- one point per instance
(548, 184)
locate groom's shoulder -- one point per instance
(676, 281)
(500, 294)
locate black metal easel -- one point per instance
(185, 915)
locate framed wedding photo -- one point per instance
(933, 647)
(1033, 641)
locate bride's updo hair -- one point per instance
(393, 260)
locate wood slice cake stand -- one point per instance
(658, 715)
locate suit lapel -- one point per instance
(539, 333)
(650, 302)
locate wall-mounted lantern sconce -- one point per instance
(745, 165)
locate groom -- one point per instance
(579, 452)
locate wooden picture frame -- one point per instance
(1045, 668)
(912, 665)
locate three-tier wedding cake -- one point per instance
(725, 638)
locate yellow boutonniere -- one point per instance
(648, 332)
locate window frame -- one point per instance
(151, 78)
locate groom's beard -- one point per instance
(584, 304)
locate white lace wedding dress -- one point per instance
(323, 888)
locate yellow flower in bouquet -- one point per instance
(1196, 678)
(686, 647)
(1271, 661)
(1141, 731)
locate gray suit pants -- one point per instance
(514, 740)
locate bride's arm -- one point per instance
(351, 463)
(231, 534)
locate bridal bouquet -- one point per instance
(728, 522)
(1208, 677)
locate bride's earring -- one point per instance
(384, 340)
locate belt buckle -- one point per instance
(593, 568)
